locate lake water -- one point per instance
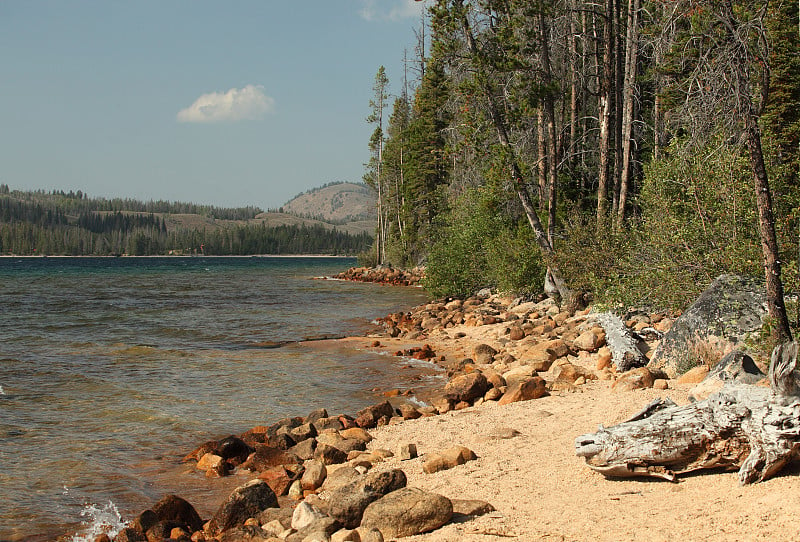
(112, 369)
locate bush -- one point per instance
(478, 246)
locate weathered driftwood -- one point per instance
(624, 345)
(752, 428)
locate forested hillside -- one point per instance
(58, 223)
(637, 149)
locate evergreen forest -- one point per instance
(72, 224)
(632, 150)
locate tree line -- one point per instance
(43, 223)
(632, 149)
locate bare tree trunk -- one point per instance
(766, 219)
(516, 172)
(750, 428)
(605, 107)
(551, 130)
(541, 163)
(631, 52)
(573, 84)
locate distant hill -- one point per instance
(336, 203)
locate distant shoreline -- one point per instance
(44, 256)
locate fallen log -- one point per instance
(750, 428)
(624, 345)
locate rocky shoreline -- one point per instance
(378, 475)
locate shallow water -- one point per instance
(111, 369)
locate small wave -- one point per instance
(99, 520)
(2, 392)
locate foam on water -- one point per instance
(99, 520)
(2, 392)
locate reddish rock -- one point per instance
(177, 509)
(368, 417)
(524, 390)
(634, 379)
(466, 387)
(278, 479)
(266, 456)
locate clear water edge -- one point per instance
(148, 361)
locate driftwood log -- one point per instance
(753, 429)
(624, 345)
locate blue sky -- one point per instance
(228, 103)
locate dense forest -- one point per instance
(58, 223)
(632, 149)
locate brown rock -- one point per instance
(516, 333)
(177, 509)
(493, 394)
(589, 341)
(447, 459)
(314, 475)
(524, 390)
(244, 502)
(267, 456)
(368, 417)
(483, 353)
(466, 387)
(329, 455)
(465, 507)
(634, 379)
(407, 512)
(407, 452)
(356, 433)
(660, 384)
(409, 412)
(695, 375)
(304, 450)
(278, 479)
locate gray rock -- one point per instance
(314, 475)
(369, 535)
(304, 515)
(329, 455)
(244, 502)
(347, 503)
(724, 315)
(245, 533)
(407, 512)
(174, 508)
(318, 531)
(736, 367)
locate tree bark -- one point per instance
(766, 219)
(604, 111)
(750, 428)
(631, 53)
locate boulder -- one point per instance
(245, 533)
(407, 452)
(303, 432)
(483, 353)
(589, 341)
(304, 515)
(466, 387)
(266, 456)
(314, 475)
(471, 507)
(356, 433)
(368, 417)
(524, 390)
(725, 314)
(409, 412)
(634, 379)
(304, 450)
(736, 367)
(347, 503)
(516, 333)
(243, 503)
(406, 512)
(329, 455)
(369, 534)
(318, 531)
(333, 438)
(278, 479)
(174, 508)
(447, 459)
(233, 449)
(340, 477)
(129, 534)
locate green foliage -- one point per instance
(479, 246)
(698, 221)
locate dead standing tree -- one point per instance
(750, 428)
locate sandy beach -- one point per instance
(542, 491)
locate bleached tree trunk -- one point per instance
(631, 52)
(750, 428)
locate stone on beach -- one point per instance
(524, 390)
(407, 512)
(466, 387)
(447, 459)
(244, 502)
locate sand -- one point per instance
(542, 491)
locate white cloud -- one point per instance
(394, 10)
(248, 103)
